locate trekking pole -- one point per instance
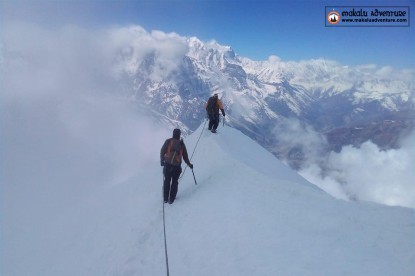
(194, 177)
(223, 121)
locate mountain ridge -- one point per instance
(260, 94)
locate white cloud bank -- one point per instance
(64, 125)
(366, 173)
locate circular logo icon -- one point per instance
(333, 17)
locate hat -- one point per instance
(176, 133)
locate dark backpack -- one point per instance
(174, 152)
(212, 106)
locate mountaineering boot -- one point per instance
(213, 130)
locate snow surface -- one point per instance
(249, 215)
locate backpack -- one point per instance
(174, 153)
(212, 106)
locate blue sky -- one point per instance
(293, 30)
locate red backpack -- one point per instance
(174, 153)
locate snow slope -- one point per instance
(248, 215)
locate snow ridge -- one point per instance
(249, 215)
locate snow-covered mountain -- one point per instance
(258, 95)
(249, 214)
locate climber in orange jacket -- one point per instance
(212, 107)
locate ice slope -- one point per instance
(248, 215)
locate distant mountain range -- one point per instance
(345, 105)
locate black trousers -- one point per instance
(213, 121)
(171, 181)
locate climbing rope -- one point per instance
(194, 149)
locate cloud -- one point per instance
(65, 125)
(294, 134)
(41, 62)
(368, 174)
(70, 60)
(136, 45)
(274, 59)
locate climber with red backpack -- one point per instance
(171, 154)
(212, 107)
